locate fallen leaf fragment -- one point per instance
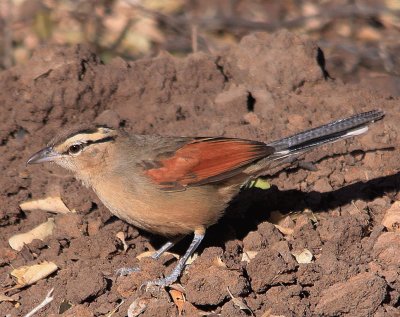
(51, 204)
(138, 306)
(148, 254)
(120, 235)
(391, 220)
(192, 258)
(27, 275)
(303, 257)
(239, 303)
(311, 215)
(260, 184)
(178, 299)
(276, 217)
(218, 262)
(40, 232)
(286, 231)
(247, 256)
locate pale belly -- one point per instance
(164, 213)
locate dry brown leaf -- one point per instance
(218, 262)
(311, 215)
(120, 235)
(286, 231)
(303, 257)
(138, 306)
(40, 232)
(51, 204)
(148, 254)
(276, 217)
(283, 223)
(27, 275)
(192, 258)
(179, 299)
(247, 256)
(391, 220)
(145, 254)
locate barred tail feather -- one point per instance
(328, 133)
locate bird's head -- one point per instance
(83, 151)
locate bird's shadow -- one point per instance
(254, 206)
(258, 204)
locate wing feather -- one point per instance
(205, 160)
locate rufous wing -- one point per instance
(205, 160)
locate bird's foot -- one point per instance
(160, 282)
(177, 271)
(124, 271)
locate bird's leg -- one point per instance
(168, 280)
(165, 248)
(123, 271)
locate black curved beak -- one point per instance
(45, 155)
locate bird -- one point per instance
(176, 186)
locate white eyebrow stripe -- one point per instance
(84, 137)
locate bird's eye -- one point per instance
(75, 148)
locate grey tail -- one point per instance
(328, 133)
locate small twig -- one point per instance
(45, 302)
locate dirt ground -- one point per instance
(267, 87)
